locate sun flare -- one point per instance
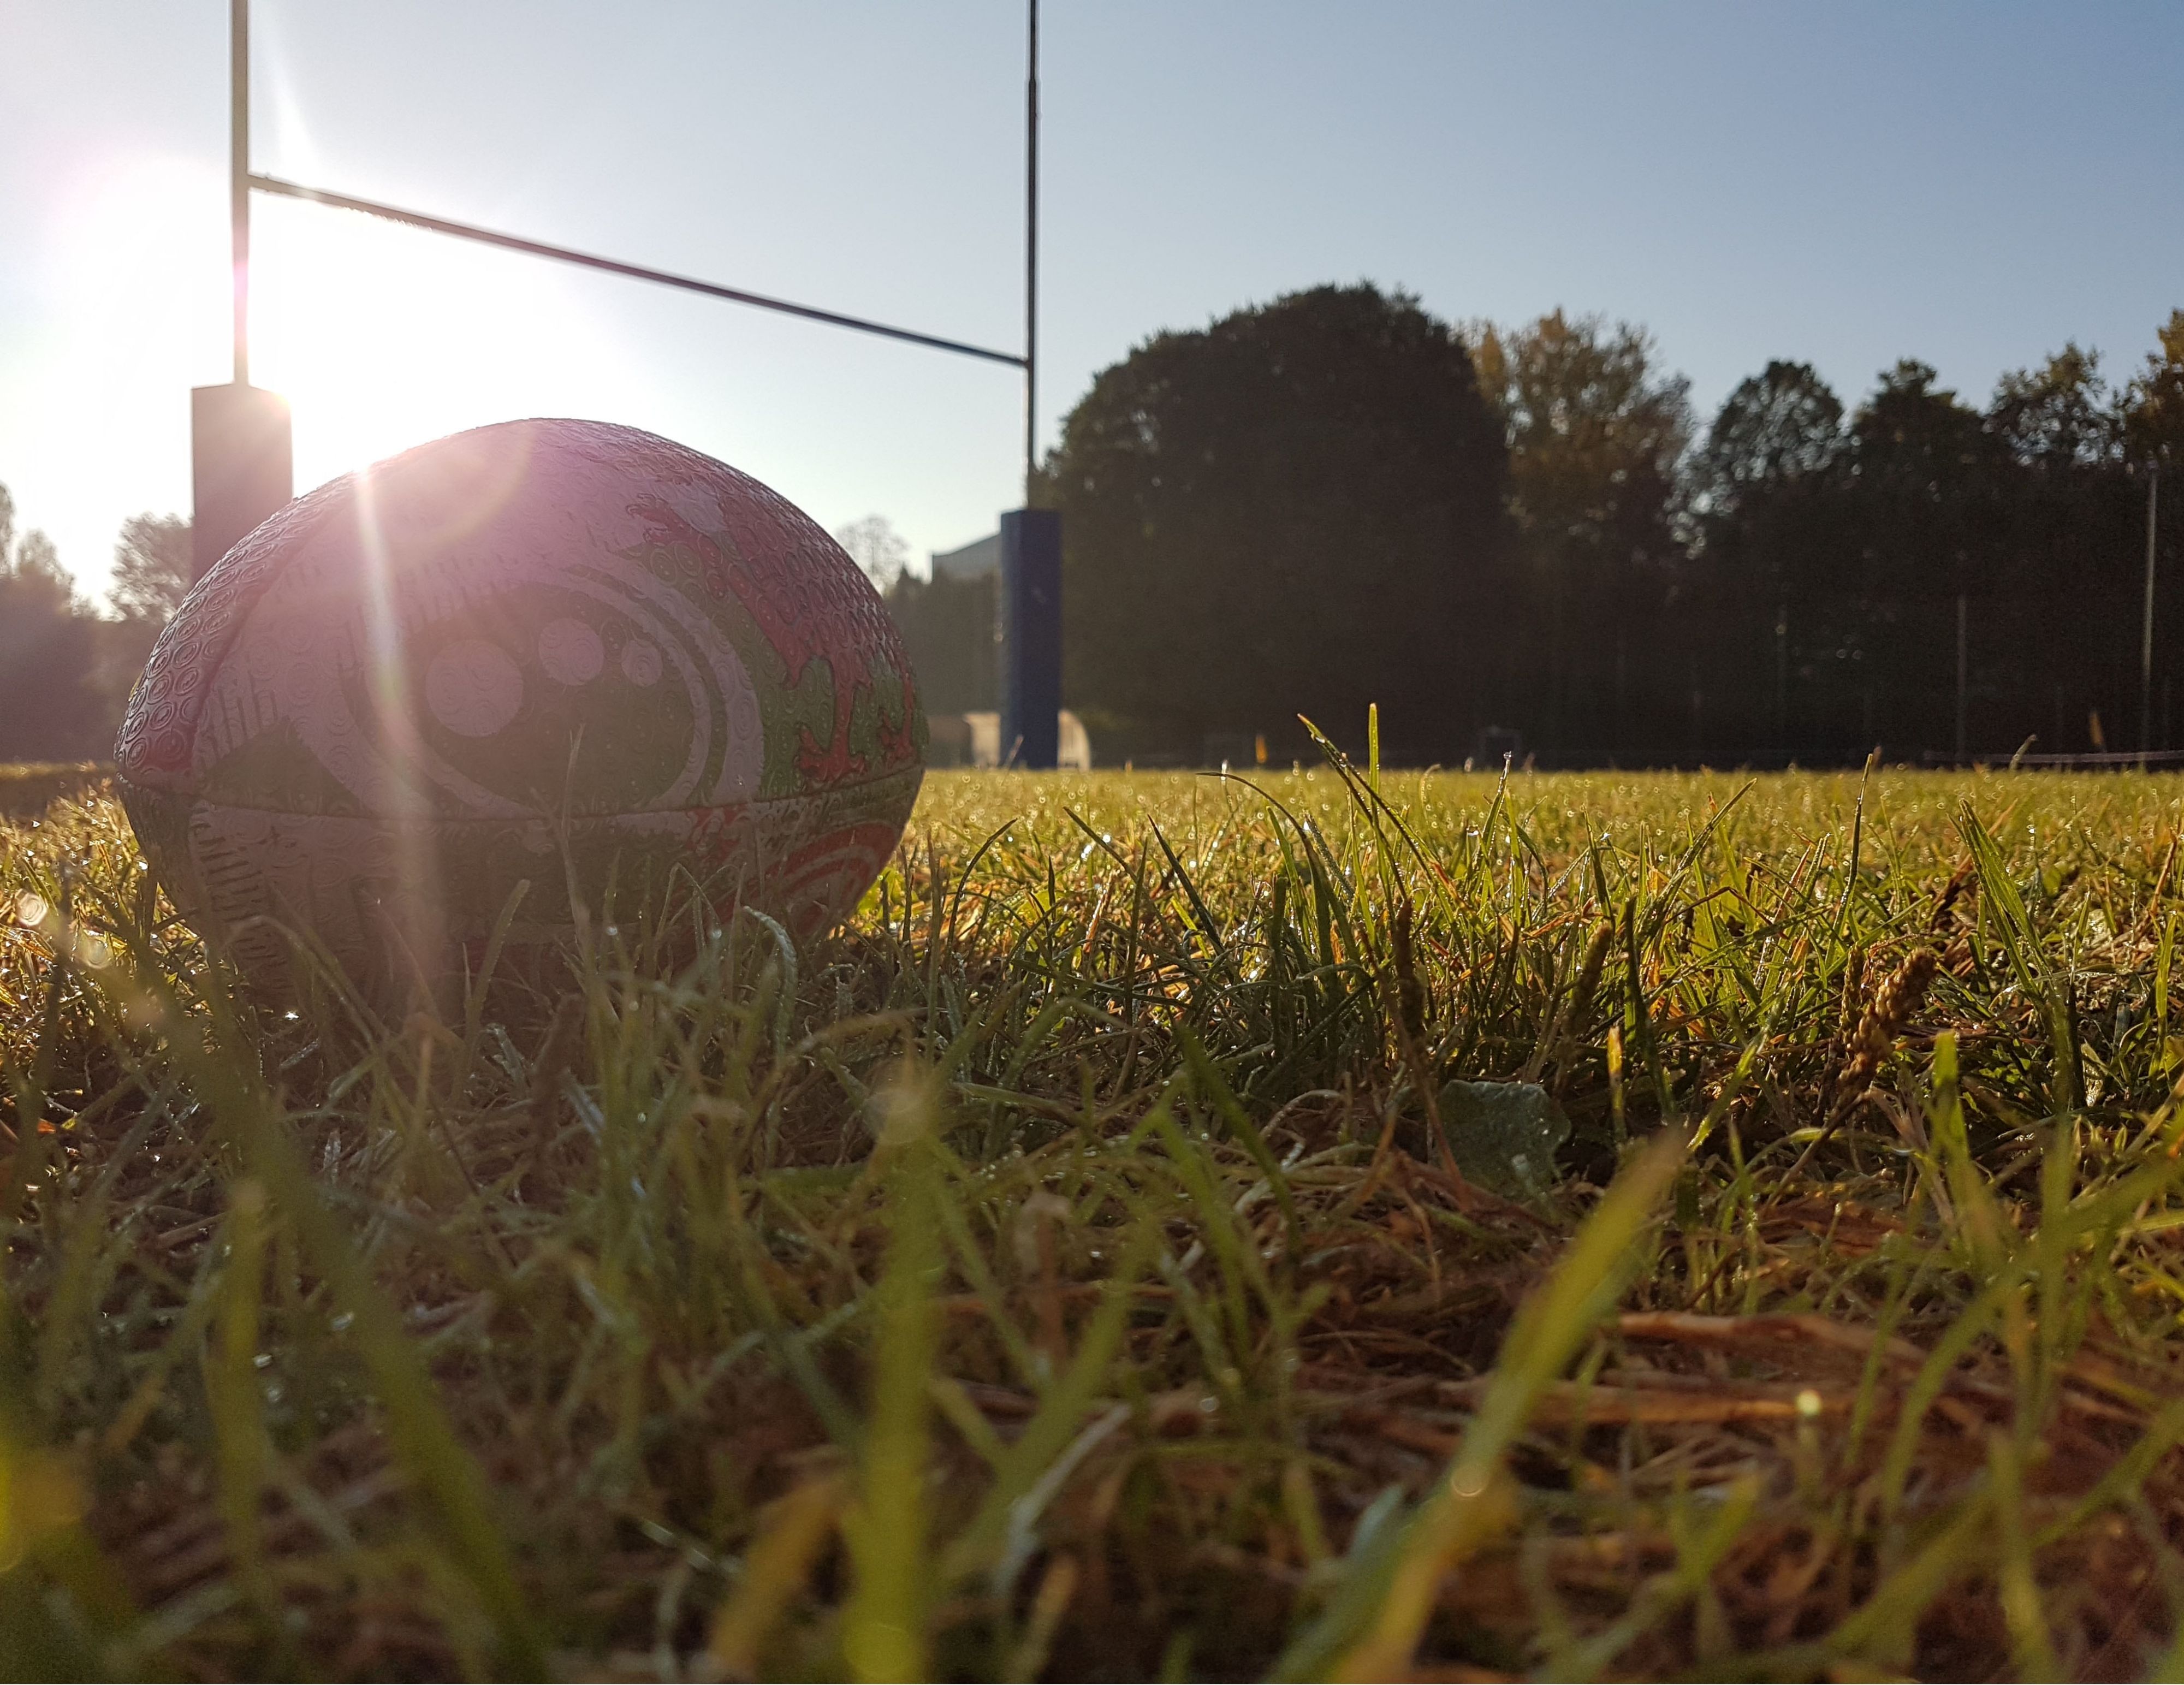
(383, 337)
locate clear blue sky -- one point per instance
(1972, 184)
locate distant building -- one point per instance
(977, 560)
(947, 624)
(947, 631)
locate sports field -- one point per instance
(1319, 1224)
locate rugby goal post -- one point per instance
(241, 436)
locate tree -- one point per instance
(38, 564)
(1915, 440)
(1296, 509)
(874, 545)
(48, 708)
(2059, 417)
(1783, 428)
(1767, 527)
(2153, 406)
(2154, 439)
(1595, 434)
(151, 568)
(2062, 620)
(150, 578)
(947, 627)
(1928, 514)
(1928, 470)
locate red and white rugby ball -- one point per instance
(545, 652)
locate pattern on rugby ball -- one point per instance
(422, 684)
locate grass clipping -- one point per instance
(1089, 1262)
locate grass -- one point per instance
(1058, 1272)
(28, 788)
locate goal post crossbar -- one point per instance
(540, 249)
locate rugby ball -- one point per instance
(556, 654)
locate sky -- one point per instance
(1971, 184)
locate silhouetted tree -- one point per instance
(874, 545)
(1767, 525)
(49, 710)
(1595, 433)
(1260, 513)
(2154, 407)
(1925, 465)
(947, 627)
(2061, 624)
(2058, 419)
(1830, 564)
(1296, 509)
(151, 568)
(150, 578)
(1927, 507)
(1783, 428)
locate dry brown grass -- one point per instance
(1055, 1273)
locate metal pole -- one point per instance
(238, 176)
(1781, 677)
(1963, 663)
(1031, 258)
(540, 248)
(2146, 636)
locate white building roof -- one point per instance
(980, 556)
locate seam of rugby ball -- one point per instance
(915, 771)
(259, 564)
(255, 564)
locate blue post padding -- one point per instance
(1031, 636)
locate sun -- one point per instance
(383, 337)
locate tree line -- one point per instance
(66, 668)
(1523, 535)
(1508, 537)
